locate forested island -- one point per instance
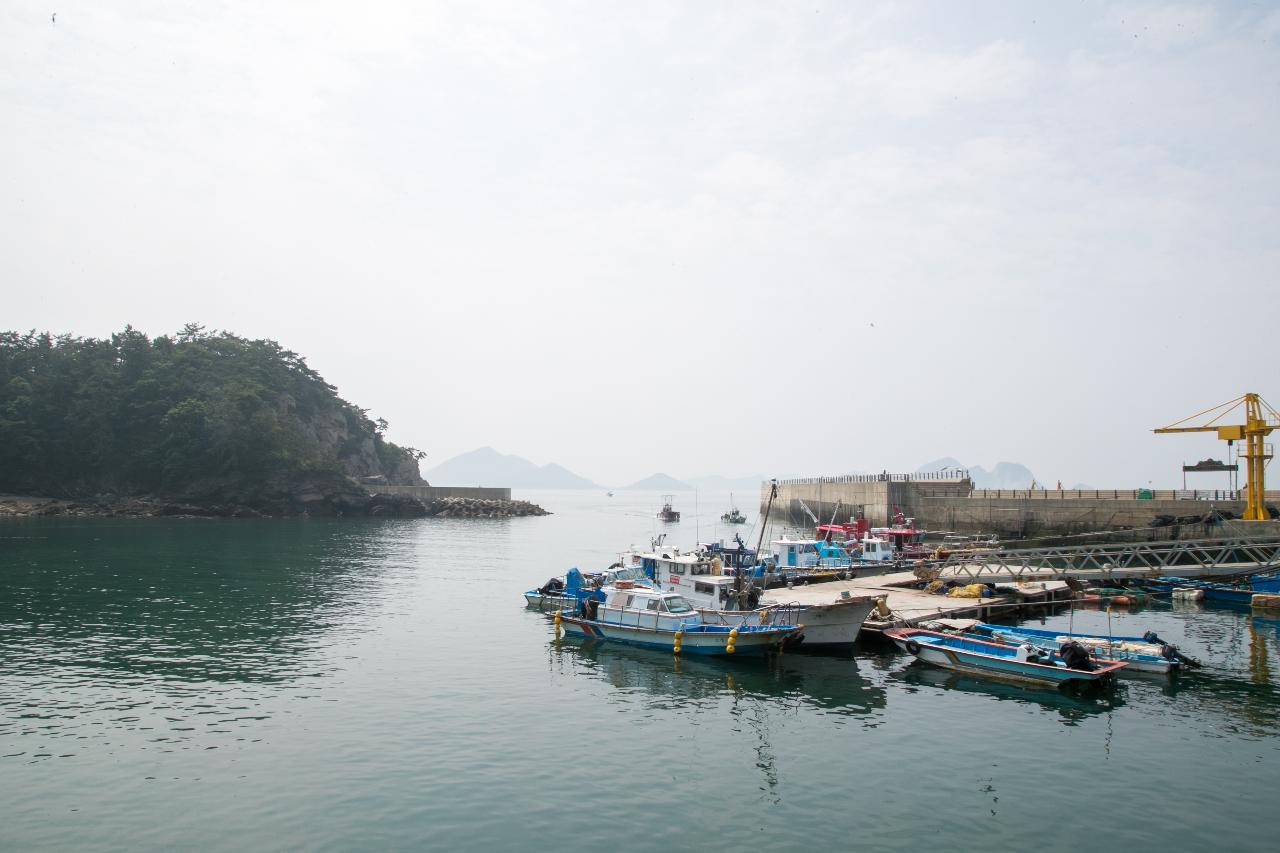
(198, 423)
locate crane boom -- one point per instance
(1260, 419)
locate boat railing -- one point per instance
(780, 614)
(952, 475)
(769, 615)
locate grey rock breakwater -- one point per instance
(480, 508)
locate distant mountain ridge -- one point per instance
(485, 466)
(1005, 475)
(659, 483)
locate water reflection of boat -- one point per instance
(1071, 705)
(833, 685)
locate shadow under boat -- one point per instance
(1071, 701)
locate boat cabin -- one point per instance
(850, 531)
(876, 549)
(907, 539)
(808, 553)
(671, 567)
(626, 604)
(624, 573)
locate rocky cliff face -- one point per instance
(344, 434)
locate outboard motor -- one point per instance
(1076, 656)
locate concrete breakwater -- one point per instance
(949, 502)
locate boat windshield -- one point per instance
(677, 604)
(635, 574)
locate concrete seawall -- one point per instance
(952, 504)
(427, 493)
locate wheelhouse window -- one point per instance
(704, 588)
(653, 604)
(677, 604)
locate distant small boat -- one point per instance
(667, 513)
(734, 515)
(608, 494)
(965, 654)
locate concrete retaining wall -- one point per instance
(954, 505)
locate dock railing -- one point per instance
(1214, 557)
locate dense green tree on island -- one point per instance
(199, 413)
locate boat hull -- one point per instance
(1106, 650)
(550, 603)
(826, 626)
(711, 641)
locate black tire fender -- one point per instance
(913, 647)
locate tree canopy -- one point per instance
(132, 415)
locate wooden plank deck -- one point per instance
(912, 606)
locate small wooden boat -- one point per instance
(665, 620)
(966, 654)
(1147, 653)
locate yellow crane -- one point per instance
(1259, 420)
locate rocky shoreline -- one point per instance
(349, 506)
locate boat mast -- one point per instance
(764, 522)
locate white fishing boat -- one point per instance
(665, 620)
(722, 598)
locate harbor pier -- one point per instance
(947, 500)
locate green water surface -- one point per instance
(348, 685)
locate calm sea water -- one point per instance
(341, 685)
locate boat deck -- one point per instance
(914, 606)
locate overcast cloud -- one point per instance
(700, 237)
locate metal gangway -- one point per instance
(1224, 557)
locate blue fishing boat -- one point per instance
(1217, 590)
(1016, 663)
(565, 593)
(1147, 653)
(643, 616)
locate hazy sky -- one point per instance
(699, 237)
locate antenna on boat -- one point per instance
(697, 519)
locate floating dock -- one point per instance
(908, 606)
